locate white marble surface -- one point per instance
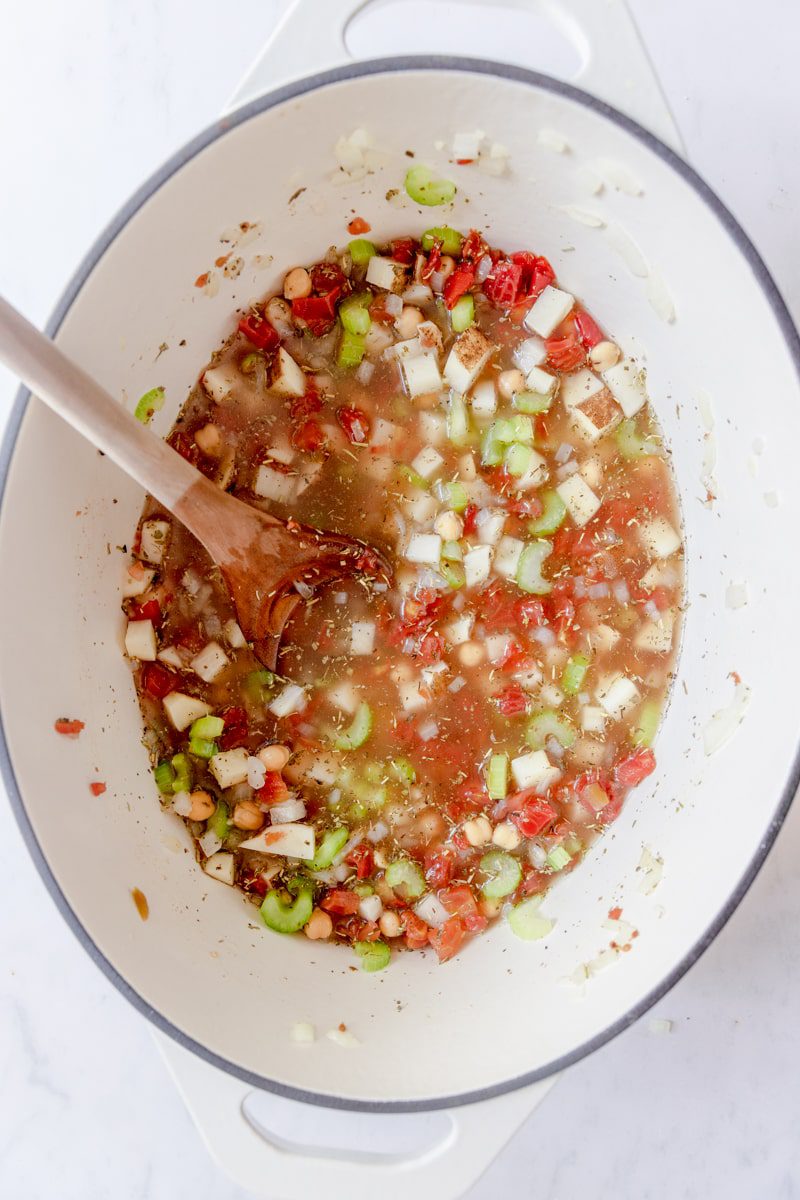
(93, 95)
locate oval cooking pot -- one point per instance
(724, 379)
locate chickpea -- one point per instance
(449, 526)
(429, 824)
(209, 439)
(382, 888)
(247, 815)
(202, 806)
(470, 654)
(389, 925)
(604, 355)
(509, 382)
(506, 836)
(274, 757)
(319, 926)
(478, 832)
(489, 908)
(297, 284)
(409, 321)
(446, 266)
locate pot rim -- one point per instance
(792, 340)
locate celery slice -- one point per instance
(574, 674)
(647, 722)
(504, 874)
(164, 777)
(202, 747)
(361, 251)
(545, 724)
(457, 420)
(403, 770)
(284, 916)
(553, 514)
(405, 877)
(353, 313)
(357, 731)
(218, 821)
(463, 313)
(151, 402)
(207, 727)
(183, 774)
(453, 494)
(558, 858)
(374, 955)
(524, 920)
(454, 573)
(332, 842)
(424, 188)
(630, 442)
(529, 568)
(531, 402)
(497, 776)
(351, 349)
(518, 459)
(450, 239)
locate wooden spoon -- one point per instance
(260, 557)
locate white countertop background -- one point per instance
(94, 94)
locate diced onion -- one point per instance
(256, 773)
(210, 843)
(457, 684)
(543, 635)
(652, 868)
(287, 811)
(428, 731)
(620, 590)
(182, 804)
(598, 591)
(483, 268)
(564, 452)
(378, 832)
(724, 723)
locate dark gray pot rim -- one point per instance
(792, 340)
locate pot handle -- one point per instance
(310, 37)
(271, 1168)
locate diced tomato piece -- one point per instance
(516, 658)
(97, 788)
(534, 816)
(537, 274)
(525, 507)
(565, 353)
(470, 513)
(574, 543)
(415, 929)
(430, 648)
(362, 858)
(535, 882)
(512, 701)
(236, 728)
(404, 250)
(157, 681)
(341, 902)
(587, 329)
(529, 612)
(318, 312)
(355, 423)
(149, 611)
(458, 283)
(273, 790)
(459, 900)
(308, 436)
(251, 882)
(560, 611)
(422, 608)
(358, 225)
(183, 443)
(259, 331)
(635, 768)
(68, 727)
(302, 407)
(620, 513)
(439, 866)
(473, 247)
(502, 285)
(328, 279)
(447, 939)
(496, 607)
(660, 597)
(434, 261)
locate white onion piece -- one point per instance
(659, 297)
(393, 304)
(660, 1025)
(431, 910)
(652, 868)
(437, 281)
(256, 773)
(619, 176)
(584, 217)
(620, 591)
(365, 371)
(599, 591)
(182, 804)
(724, 723)
(343, 1038)
(303, 1033)
(287, 811)
(553, 140)
(543, 635)
(428, 731)
(564, 472)
(483, 268)
(378, 832)
(564, 452)
(456, 684)
(209, 843)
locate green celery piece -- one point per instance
(353, 313)
(552, 516)
(202, 747)
(374, 955)
(518, 459)
(351, 349)
(463, 313)
(451, 239)
(284, 916)
(574, 674)
(164, 777)
(207, 727)
(405, 878)
(630, 442)
(497, 777)
(453, 573)
(332, 842)
(424, 188)
(529, 568)
(525, 921)
(504, 874)
(457, 420)
(545, 724)
(357, 731)
(361, 251)
(183, 773)
(148, 404)
(531, 402)
(647, 722)
(558, 858)
(218, 822)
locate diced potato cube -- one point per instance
(221, 866)
(489, 524)
(421, 508)
(385, 273)
(655, 637)
(604, 638)
(506, 557)
(290, 700)
(616, 695)
(581, 501)
(432, 427)
(182, 710)
(137, 580)
(484, 398)
(658, 537)
(362, 637)
(275, 485)
(549, 310)
(593, 719)
(530, 353)
(625, 381)
(477, 565)
(154, 540)
(229, 767)
(596, 416)
(421, 374)
(540, 381)
(459, 631)
(140, 641)
(413, 695)
(210, 662)
(534, 770)
(469, 355)
(233, 635)
(219, 382)
(383, 432)
(427, 462)
(286, 377)
(424, 548)
(578, 387)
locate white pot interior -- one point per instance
(502, 1009)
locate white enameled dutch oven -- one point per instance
(490, 1030)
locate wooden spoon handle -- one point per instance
(92, 411)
